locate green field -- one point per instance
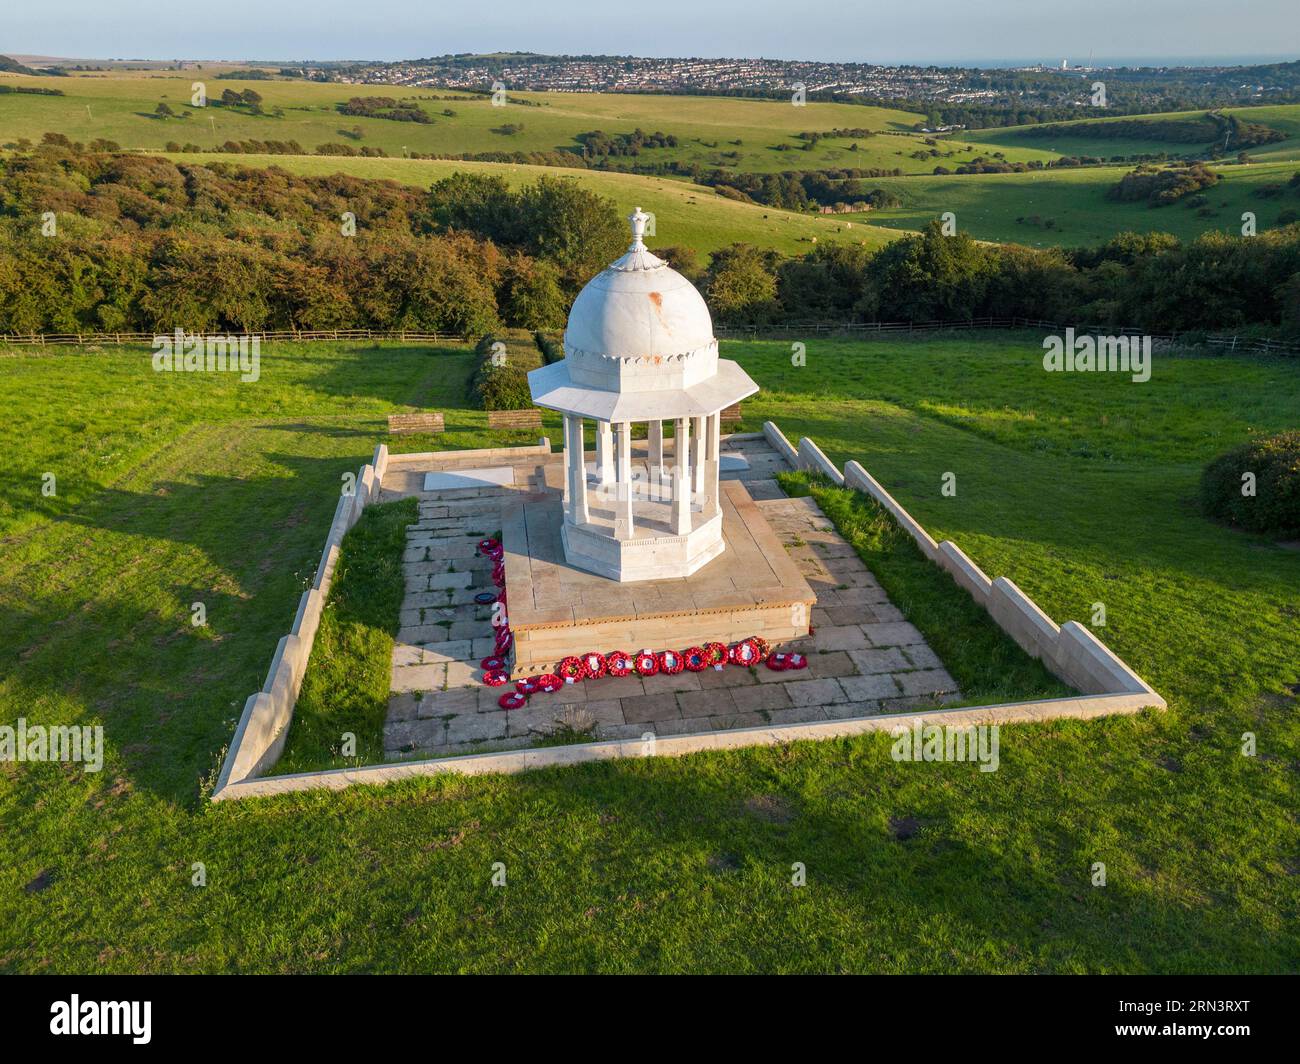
(992, 206)
(174, 489)
(684, 213)
(121, 109)
(748, 136)
(739, 134)
(1282, 117)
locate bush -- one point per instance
(503, 387)
(1274, 507)
(552, 350)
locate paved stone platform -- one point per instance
(864, 658)
(557, 610)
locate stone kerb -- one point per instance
(330, 555)
(366, 487)
(967, 574)
(777, 439)
(528, 759)
(307, 620)
(248, 744)
(1071, 651)
(380, 462)
(264, 725)
(811, 457)
(855, 476)
(437, 459)
(1083, 655)
(1019, 616)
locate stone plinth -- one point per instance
(751, 588)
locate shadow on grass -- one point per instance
(125, 651)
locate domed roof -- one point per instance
(638, 307)
(639, 346)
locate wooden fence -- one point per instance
(296, 335)
(1244, 344)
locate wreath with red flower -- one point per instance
(527, 685)
(671, 662)
(496, 677)
(715, 654)
(570, 669)
(593, 665)
(549, 682)
(778, 662)
(646, 663)
(744, 653)
(764, 647)
(797, 661)
(695, 659)
(487, 546)
(618, 663)
(512, 700)
(492, 663)
(505, 640)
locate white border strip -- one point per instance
(514, 761)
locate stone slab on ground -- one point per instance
(489, 476)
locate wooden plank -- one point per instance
(401, 424)
(515, 419)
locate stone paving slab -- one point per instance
(864, 657)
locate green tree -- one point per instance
(741, 285)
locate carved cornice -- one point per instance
(639, 360)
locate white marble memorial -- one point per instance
(639, 347)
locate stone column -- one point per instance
(623, 524)
(655, 457)
(605, 454)
(568, 479)
(712, 464)
(697, 467)
(681, 513)
(577, 470)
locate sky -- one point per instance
(901, 31)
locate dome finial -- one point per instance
(638, 218)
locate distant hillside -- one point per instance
(1211, 128)
(12, 66)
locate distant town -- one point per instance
(1049, 83)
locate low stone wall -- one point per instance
(777, 439)
(1070, 651)
(436, 459)
(264, 725)
(1107, 685)
(512, 761)
(810, 457)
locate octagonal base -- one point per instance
(648, 558)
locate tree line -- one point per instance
(125, 242)
(1151, 281)
(98, 241)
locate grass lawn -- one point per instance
(346, 685)
(175, 489)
